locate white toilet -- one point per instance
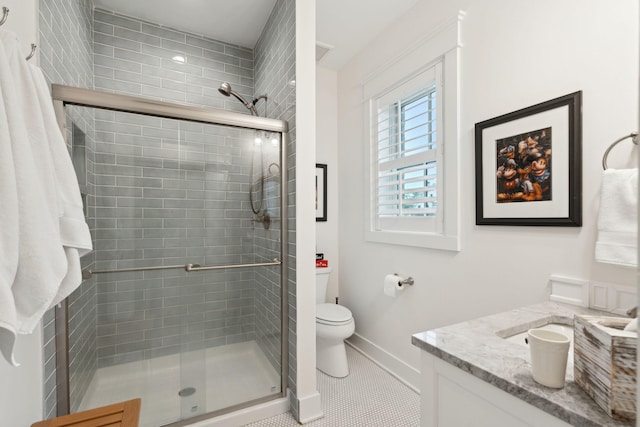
(334, 324)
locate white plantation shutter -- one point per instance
(408, 192)
(411, 106)
(407, 139)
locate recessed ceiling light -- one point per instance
(178, 58)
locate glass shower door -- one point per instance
(163, 194)
(231, 337)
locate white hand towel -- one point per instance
(42, 263)
(618, 218)
(74, 231)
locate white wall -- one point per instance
(309, 403)
(22, 20)
(21, 388)
(327, 153)
(515, 54)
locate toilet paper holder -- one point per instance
(408, 281)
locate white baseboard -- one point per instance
(406, 374)
(310, 408)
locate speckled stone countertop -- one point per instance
(479, 348)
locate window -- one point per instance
(411, 131)
(407, 155)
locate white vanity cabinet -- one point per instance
(473, 375)
(451, 397)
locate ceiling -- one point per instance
(350, 25)
(233, 21)
(343, 28)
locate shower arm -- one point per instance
(249, 105)
(252, 105)
(226, 90)
(258, 99)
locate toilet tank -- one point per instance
(322, 280)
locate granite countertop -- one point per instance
(479, 348)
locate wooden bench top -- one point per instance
(123, 414)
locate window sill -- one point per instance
(420, 240)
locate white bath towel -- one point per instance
(42, 263)
(74, 231)
(9, 221)
(618, 218)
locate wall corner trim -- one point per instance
(310, 408)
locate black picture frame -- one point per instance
(321, 192)
(542, 145)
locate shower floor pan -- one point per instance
(223, 377)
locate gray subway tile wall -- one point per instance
(141, 58)
(192, 177)
(66, 57)
(49, 369)
(274, 57)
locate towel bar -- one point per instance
(87, 273)
(634, 139)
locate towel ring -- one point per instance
(634, 139)
(5, 14)
(33, 51)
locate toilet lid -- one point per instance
(332, 313)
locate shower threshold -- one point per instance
(222, 377)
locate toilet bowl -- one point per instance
(334, 324)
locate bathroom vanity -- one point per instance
(478, 373)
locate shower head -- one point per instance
(225, 89)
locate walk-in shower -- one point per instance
(188, 289)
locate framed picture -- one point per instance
(529, 165)
(321, 192)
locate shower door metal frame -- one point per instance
(67, 95)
